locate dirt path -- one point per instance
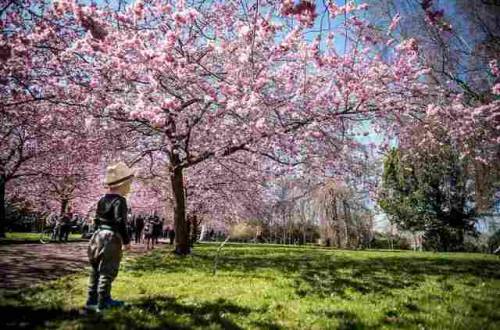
(23, 265)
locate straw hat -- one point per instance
(118, 174)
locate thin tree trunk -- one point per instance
(181, 229)
(346, 221)
(2, 206)
(391, 245)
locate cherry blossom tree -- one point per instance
(206, 96)
(44, 134)
(196, 82)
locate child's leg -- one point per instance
(93, 254)
(93, 284)
(108, 266)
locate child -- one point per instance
(105, 247)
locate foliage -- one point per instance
(455, 38)
(243, 232)
(277, 287)
(494, 241)
(400, 197)
(429, 193)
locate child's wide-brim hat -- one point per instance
(118, 174)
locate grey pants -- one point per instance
(105, 253)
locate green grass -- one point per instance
(277, 287)
(16, 237)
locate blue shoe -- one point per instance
(91, 304)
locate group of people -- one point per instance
(62, 225)
(148, 229)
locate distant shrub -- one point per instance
(383, 241)
(494, 241)
(476, 243)
(243, 232)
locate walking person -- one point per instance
(149, 232)
(138, 228)
(157, 228)
(56, 232)
(171, 236)
(166, 231)
(111, 236)
(130, 225)
(64, 228)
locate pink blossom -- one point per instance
(260, 124)
(495, 70)
(171, 38)
(169, 103)
(138, 8)
(496, 89)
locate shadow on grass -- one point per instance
(317, 273)
(312, 272)
(159, 312)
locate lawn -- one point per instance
(277, 287)
(16, 237)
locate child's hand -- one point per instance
(126, 247)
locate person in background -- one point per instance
(106, 244)
(84, 227)
(171, 236)
(74, 223)
(149, 226)
(138, 228)
(166, 231)
(57, 227)
(130, 224)
(51, 222)
(157, 226)
(65, 226)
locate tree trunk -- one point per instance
(181, 229)
(64, 206)
(2, 206)
(346, 223)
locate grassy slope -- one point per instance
(275, 287)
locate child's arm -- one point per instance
(120, 213)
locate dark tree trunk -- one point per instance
(64, 206)
(2, 206)
(181, 229)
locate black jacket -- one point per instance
(112, 212)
